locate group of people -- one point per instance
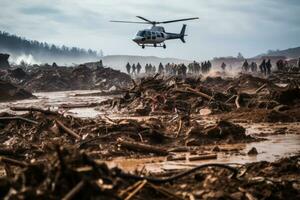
(265, 67)
(171, 68)
(133, 69)
(197, 68)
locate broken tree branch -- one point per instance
(34, 109)
(201, 94)
(231, 98)
(13, 161)
(203, 157)
(19, 118)
(179, 128)
(136, 190)
(179, 175)
(260, 88)
(237, 99)
(135, 146)
(71, 194)
(166, 192)
(67, 130)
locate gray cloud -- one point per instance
(225, 26)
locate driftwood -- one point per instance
(231, 98)
(237, 103)
(201, 94)
(34, 109)
(166, 192)
(13, 161)
(179, 175)
(71, 194)
(82, 105)
(179, 128)
(203, 157)
(67, 130)
(135, 146)
(136, 190)
(19, 118)
(260, 88)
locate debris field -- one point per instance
(46, 154)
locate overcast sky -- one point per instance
(225, 27)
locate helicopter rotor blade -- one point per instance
(129, 22)
(147, 20)
(179, 20)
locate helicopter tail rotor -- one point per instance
(182, 33)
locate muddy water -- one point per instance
(276, 146)
(53, 100)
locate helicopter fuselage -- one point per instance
(156, 36)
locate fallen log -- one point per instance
(203, 157)
(82, 105)
(67, 130)
(34, 109)
(135, 146)
(176, 158)
(19, 118)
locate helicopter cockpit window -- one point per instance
(148, 34)
(141, 33)
(162, 35)
(158, 35)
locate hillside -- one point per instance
(289, 53)
(43, 52)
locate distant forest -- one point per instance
(43, 52)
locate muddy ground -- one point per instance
(47, 78)
(161, 137)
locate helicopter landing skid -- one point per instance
(154, 45)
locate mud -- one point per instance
(10, 92)
(47, 78)
(171, 137)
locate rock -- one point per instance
(253, 151)
(216, 149)
(18, 73)
(9, 92)
(4, 64)
(275, 116)
(205, 111)
(225, 129)
(287, 96)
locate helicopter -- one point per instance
(156, 35)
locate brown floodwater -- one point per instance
(274, 147)
(54, 100)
